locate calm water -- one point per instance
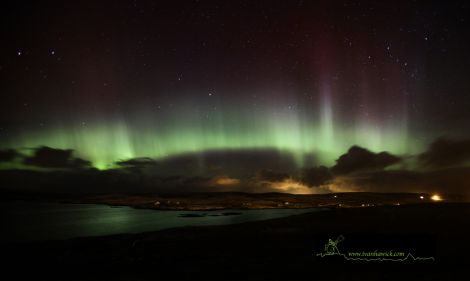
(23, 221)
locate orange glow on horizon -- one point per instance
(224, 180)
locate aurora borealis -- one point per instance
(106, 142)
(151, 79)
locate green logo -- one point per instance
(331, 249)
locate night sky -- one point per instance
(115, 80)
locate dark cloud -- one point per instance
(137, 165)
(8, 155)
(79, 163)
(316, 176)
(241, 163)
(137, 162)
(272, 176)
(356, 170)
(46, 157)
(360, 159)
(362, 170)
(446, 153)
(196, 181)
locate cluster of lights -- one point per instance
(434, 197)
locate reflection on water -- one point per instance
(22, 221)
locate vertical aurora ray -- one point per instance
(326, 131)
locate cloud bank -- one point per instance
(443, 167)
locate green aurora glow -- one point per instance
(107, 140)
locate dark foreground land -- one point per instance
(279, 249)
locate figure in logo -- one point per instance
(331, 248)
